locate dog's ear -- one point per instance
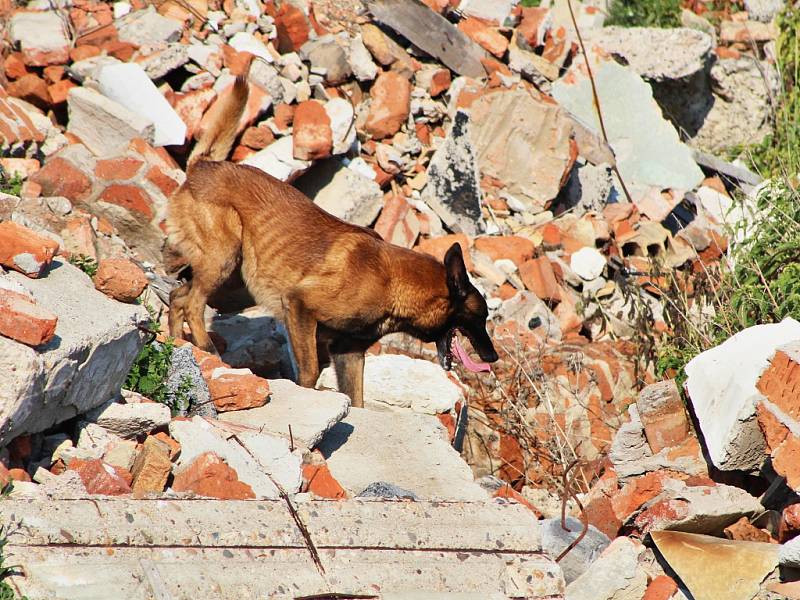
(457, 280)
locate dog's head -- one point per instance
(469, 313)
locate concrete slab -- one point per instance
(84, 365)
(406, 449)
(310, 413)
(124, 548)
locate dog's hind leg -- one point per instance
(177, 306)
(302, 329)
(207, 277)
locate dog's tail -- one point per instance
(216, 141)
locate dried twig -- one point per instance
(567, 493)
(596, 98)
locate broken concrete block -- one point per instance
(705, 564)
(343, 192)
(41, 36)
(453, 190)
(275, 457)
(325, 53)
(397, 381)
(361, 61)
(555, 539)
(763, 10)
(437, 471)
(103, 125)
(647, 147)
(656, 54)
(96, 340)
(340, 114)
(493, 11)
(247, 42)
(309, 412)
(199, 436)
(741, 110)
(278, 160)
(706, 509)
(513, 128)
(131, 420)
(148, 27)
(185, 383)
(722, 387)
(615, 574)
(128, 85)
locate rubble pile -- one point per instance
(584, 187)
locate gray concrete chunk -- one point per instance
(82, 367)
(103, 125)
(405, 449)
(310, 413)
(125, 548)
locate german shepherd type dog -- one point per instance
(337, 287)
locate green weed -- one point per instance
(149, 371)
(645, 13)
(85, 263)
(11, 185)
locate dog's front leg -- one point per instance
(302, 329)
(350, 375)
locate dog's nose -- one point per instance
(491, 356)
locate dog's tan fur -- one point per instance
(323, 277)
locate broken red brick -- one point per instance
(23, 320)
(24, 250)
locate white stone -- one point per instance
(615, 574)
(130, 86)
(489, 10)
(278, 160)
(95, 342)
(789, 555)
(198, 436)
(309, 413)
(347, 195)
(103, 125)
(340, 112)
(121, 9)
(148, 27)
(95, 439)
(364, 68)
(39, 32)
(397, 381)
(131, 420)
(275, 458)
(717, 205)
(722, 388)
(247, 42)
(588, 263)
(405, 449)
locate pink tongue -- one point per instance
(470, 364)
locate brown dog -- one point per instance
(326, 279)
